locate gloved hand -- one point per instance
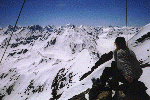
(129, 79)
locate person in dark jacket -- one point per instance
(126, 68)
(126, 61)
(129, 71)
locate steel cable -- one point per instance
(12, 31)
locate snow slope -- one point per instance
(47, 62)
(142, 51)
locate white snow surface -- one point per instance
(38, 55)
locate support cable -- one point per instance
(12, 31)
(126, 22)
(126, 13)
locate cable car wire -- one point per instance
(12, 32)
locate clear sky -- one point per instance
(77, 12)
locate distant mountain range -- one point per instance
(43, 63)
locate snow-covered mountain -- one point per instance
(47, 62)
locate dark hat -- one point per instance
(120, 40)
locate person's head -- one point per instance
(120, 43)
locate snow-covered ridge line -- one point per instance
(37, 27)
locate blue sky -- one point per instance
(77, 12)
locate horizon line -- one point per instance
(72, 24)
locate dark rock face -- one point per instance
(36, 27)
(61, 80)
(144, 37)
(19, 52)
(135, 91)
